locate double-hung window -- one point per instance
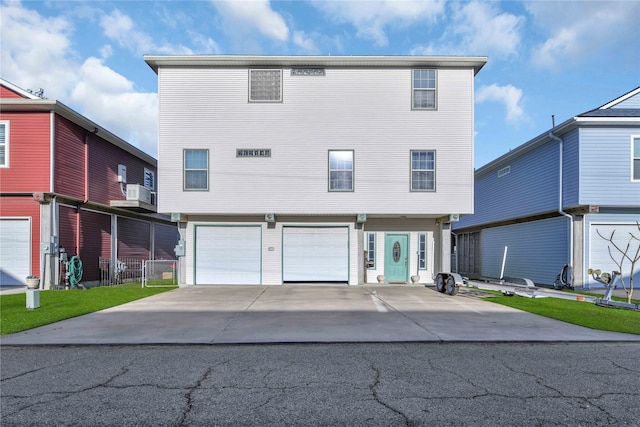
(265, 85)
(635, 158)
(149, 179)
(341, 170)
(4, 144)
(423, 170)
(424, 90)
(196, 169)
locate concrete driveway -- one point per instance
(298, 314)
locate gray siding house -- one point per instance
(547, 199)
(302, 169)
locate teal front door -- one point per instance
(396, 258)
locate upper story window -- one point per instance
(265, 85)
(4, 144)
(149, 179)
(423, 170)
(341, 170)
(635, 158)
(424, 90)
(196, 169)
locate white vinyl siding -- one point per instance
(228, 255)
(598, 255)
(4, 144)
(207, 109)
(315, 254)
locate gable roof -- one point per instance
(18, 90)
(34, 103)
(605, 114)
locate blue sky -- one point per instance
(545, 57)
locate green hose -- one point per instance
(75, 271)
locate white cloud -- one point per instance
(578, 31)
(241, 17)
(372, 18)
(37, 53)
(508, 95)
(305, 43)
(108, 98)
(31, 43)
(120, 28)
(478, 28)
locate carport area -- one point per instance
(309, 314)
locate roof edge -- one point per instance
(156, 61)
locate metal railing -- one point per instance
(123, 270)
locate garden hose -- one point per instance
(75, 271)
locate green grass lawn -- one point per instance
(60, 305)
(576, 312)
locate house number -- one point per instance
(396, 252)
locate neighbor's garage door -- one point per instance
(227, 255)
(15, 253)
(599, 258)
(315, 254)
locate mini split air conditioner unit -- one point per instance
(138, 192)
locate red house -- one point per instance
(69, 187)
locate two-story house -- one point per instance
(548, 200)
(70, 188)
(303, 169)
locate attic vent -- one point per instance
(502, 172)
(307, 72)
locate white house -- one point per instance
(294, 169)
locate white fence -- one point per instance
(158, 273)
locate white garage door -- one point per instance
(228, 255)
(15, 251)
(315, 254)
(599, 253)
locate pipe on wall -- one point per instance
(560, 196)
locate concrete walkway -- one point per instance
(299, 314)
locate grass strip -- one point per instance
(60, 305)
(576, 312)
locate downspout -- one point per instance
(560, 194)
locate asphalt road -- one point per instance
(368, 384)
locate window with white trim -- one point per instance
(423, 170)
(265, 85)
(371, 250)
(149, 179)
(635, 159)
(341, 170)
(424, 90)
(196, 169)
(4, 144)
(422, 251)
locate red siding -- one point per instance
(95, 242)
(29, 153)
(25, 207)
(165, 240)
(69, 159)
(104, 159)
(68, 229)
(8, 93)
(134, 238)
